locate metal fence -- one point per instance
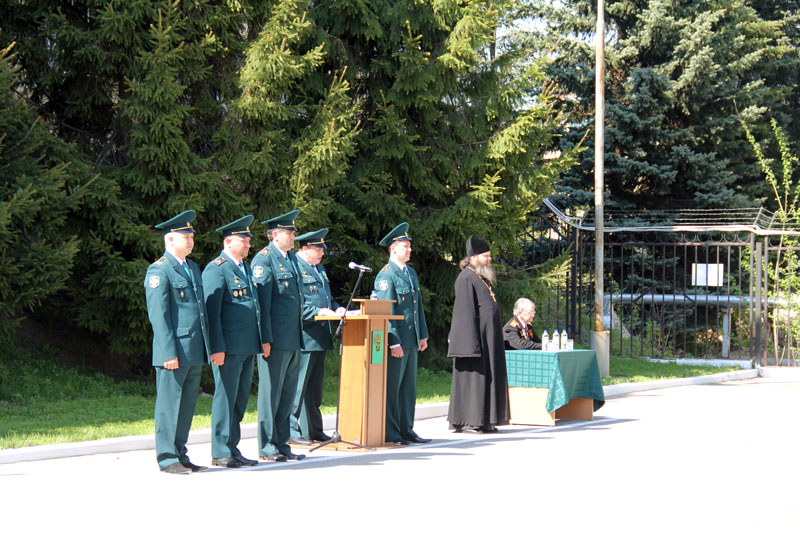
(675, 294)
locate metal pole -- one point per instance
(600, 337)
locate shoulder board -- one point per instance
(219, 260)
(265, 251)
(514, 323)
(386, 268)
(161, 261)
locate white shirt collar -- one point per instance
(238, 264)
(400, 265)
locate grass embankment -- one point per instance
(42, 403)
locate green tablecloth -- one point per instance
(567, 375)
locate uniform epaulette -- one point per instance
(514, 323)
(161, 261)
(386, 268)
(219, 260)
(265, 251)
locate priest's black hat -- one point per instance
(476, 245)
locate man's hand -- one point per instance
(423, 344)
(267, 347)
(172, 364)
(397, 351)
(218, 358)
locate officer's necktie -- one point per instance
(188, 272)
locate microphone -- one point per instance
(356, 266)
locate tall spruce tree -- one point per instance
(677, 75)
(42, 182)
(450, 140)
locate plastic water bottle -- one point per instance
(373, 295)
(545, 341)
(554, 344)
(564, 339)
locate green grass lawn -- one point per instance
(41, 403)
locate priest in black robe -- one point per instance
(479, 392)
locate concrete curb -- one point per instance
(249, 431)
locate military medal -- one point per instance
(181, 294)
(282, 269)
(236, 294)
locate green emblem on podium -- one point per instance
(377, 347)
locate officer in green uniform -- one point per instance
(177, 312)
(277, 276)
(237, 331)
(397, 281)
(306, 419)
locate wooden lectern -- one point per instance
(362, 397)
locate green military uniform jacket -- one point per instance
(177, 312)
(317, 335)
(281, 296)
(392, 284)
(236, 323)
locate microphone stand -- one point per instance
(336, 437)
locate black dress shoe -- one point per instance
(301, 441)
(245, 461)
(176, 468)
(273, 458)
(294, 456)
(194, 467)
(322, 437)
(400, 442)
(226, 462)
(418, 440)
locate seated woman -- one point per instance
(518, 333)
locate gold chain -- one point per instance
(484, 282)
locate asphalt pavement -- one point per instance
(718, 456)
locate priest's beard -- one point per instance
(487, 272)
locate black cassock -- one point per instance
(479, 393)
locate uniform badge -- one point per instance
(155, 281)
(244, 291)
(258, 271)
(282, 269)
(287, 284)
(383, 285)
(235, 280)
(182, 294)
(236, 294)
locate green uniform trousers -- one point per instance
(176, 397)
(306, 419)
(232, 381)
(277, 385)
(401, 395)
